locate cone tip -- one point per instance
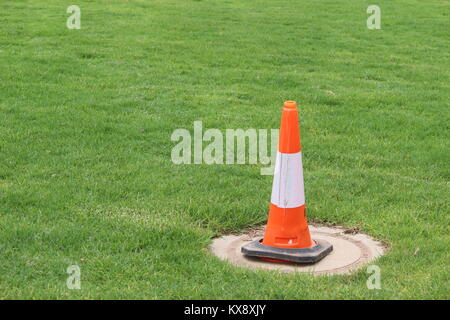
(290, 104)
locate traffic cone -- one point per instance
(287, 237)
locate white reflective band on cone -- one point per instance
(288, 190)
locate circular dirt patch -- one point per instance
(351, 250)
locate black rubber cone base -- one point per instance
(304, 255)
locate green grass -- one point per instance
(86, 117)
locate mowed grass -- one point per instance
(86, 176)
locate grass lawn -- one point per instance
(86, 176)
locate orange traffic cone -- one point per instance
(287, 237)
